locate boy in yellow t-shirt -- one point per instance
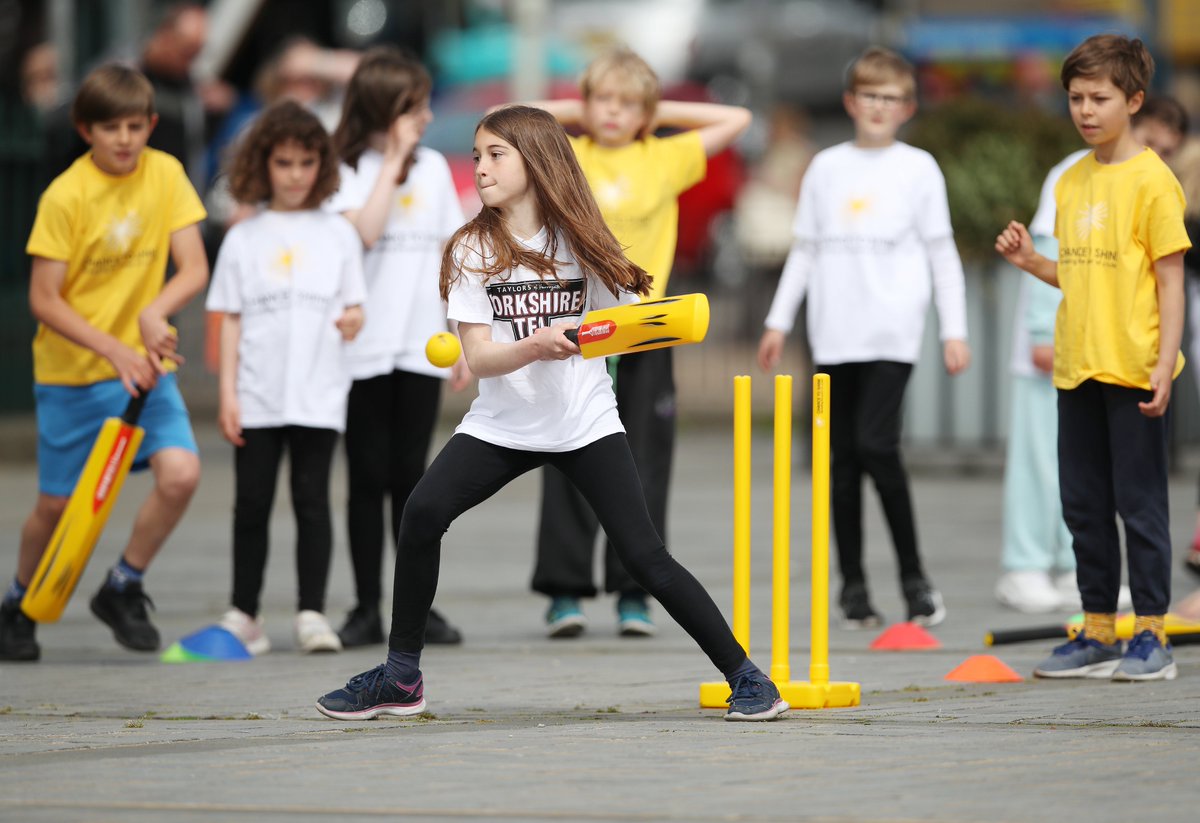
(100, 243)
(637, 179)
(1121, 240)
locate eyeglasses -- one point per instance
(886, 101)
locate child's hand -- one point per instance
(770, 349)
(1043, 359)
(1016, 246)
(161, 340)
(956, 354)
(404, 134)
(1160, 384)
(229, 420)
(551, 343)
(135, 372)
(350, 323)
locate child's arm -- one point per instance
(350, 322)
(567, 111)
(50, 308)
(1016, 246)
(402, 139)
(949, 294)
(717, 125)
(1168, 271)
(191, 275)
(793, 282)
(229, 416)
(489, 358)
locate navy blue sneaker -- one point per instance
(755, 697)
(1146, 659)
(1081, 656)
(371, 694)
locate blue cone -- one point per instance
(214, 643)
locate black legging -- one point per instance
(469, 471)
(256, 470)
(864, 436)
(389, 424)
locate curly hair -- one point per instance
(566, 206)
(286, 121)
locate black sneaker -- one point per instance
(17, 641)
(925, 606)
(438, 631)
(857, 611)
(755, 697)
(125, 613)
(363, 627)
(371, 694)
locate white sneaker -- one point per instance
(1030, 592)
(249, 630)
(314, 634)
(1068, 590)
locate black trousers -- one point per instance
(389, 424)
(469, 471)
(1112, 460)
(864, 438)
(567, 529)
(256, 470)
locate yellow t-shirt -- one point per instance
(637, 188)
(114, 235)
(1113, 222)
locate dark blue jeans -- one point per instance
(1112, 460)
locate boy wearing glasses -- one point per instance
(872, 244)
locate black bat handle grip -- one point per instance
(134, 410)
(1001, 638)
(572, 335)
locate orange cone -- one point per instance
(984, 668)
(903, 637)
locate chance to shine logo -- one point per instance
(1091, 218)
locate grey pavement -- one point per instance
(520, 727)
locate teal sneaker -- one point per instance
(1146, 659)
(564, 618)
(1081, 657)
(633, 616)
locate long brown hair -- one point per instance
(564, 202)
(386, 84)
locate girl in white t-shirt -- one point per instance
(289, 280)
(517, 277)
(401, 199)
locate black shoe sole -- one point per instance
(132, 645)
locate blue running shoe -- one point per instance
(1081, 657)
(633, 616)
(371, 694)
(1146, 659)
(564, 618)
(755, 697)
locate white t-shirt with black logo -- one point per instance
(403, 308)
(549, 405)
(290, 275)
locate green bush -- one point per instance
(994, 159)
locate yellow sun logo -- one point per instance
(613, 192)
(1090, 219)
(857, 206)
(405, 201)
(285, 263)
(122, 231)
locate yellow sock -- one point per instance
(1101, 627)
(1151, 622)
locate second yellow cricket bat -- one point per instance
(87, 511)
(653, 324)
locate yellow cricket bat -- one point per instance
(87, 511)
(653, 324)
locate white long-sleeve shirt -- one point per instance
(871, 228)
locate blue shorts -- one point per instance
(70, 417)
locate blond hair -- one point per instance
(565, 203)
(631, 71)
(878, 66)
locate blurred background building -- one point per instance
(992, 112)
